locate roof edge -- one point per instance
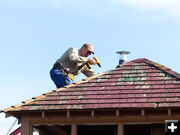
(18, 106)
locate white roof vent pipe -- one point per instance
(123, 56)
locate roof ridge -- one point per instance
(19, 105)
(157, 65)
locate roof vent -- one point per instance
(123, 56)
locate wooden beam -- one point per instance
(120, 129)
(19, 121)
(92, 119)
(8, 115)
(73, 129)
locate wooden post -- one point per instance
(120, 129)
(117, 113)
(26, 126)
(43, 115)
(73, 129)
(142, 112)
(67, 113)
(169, 112)
(92, 113)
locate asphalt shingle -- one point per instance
(140, 83)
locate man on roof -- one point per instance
(72, 63)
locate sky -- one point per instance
(35, 33)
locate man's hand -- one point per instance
(91, 61)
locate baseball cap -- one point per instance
(89, 47)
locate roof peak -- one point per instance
(157, 65)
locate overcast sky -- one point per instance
(34, 33)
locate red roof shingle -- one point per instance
(140, 83)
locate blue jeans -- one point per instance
(59, 78)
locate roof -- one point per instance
(140, 83)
